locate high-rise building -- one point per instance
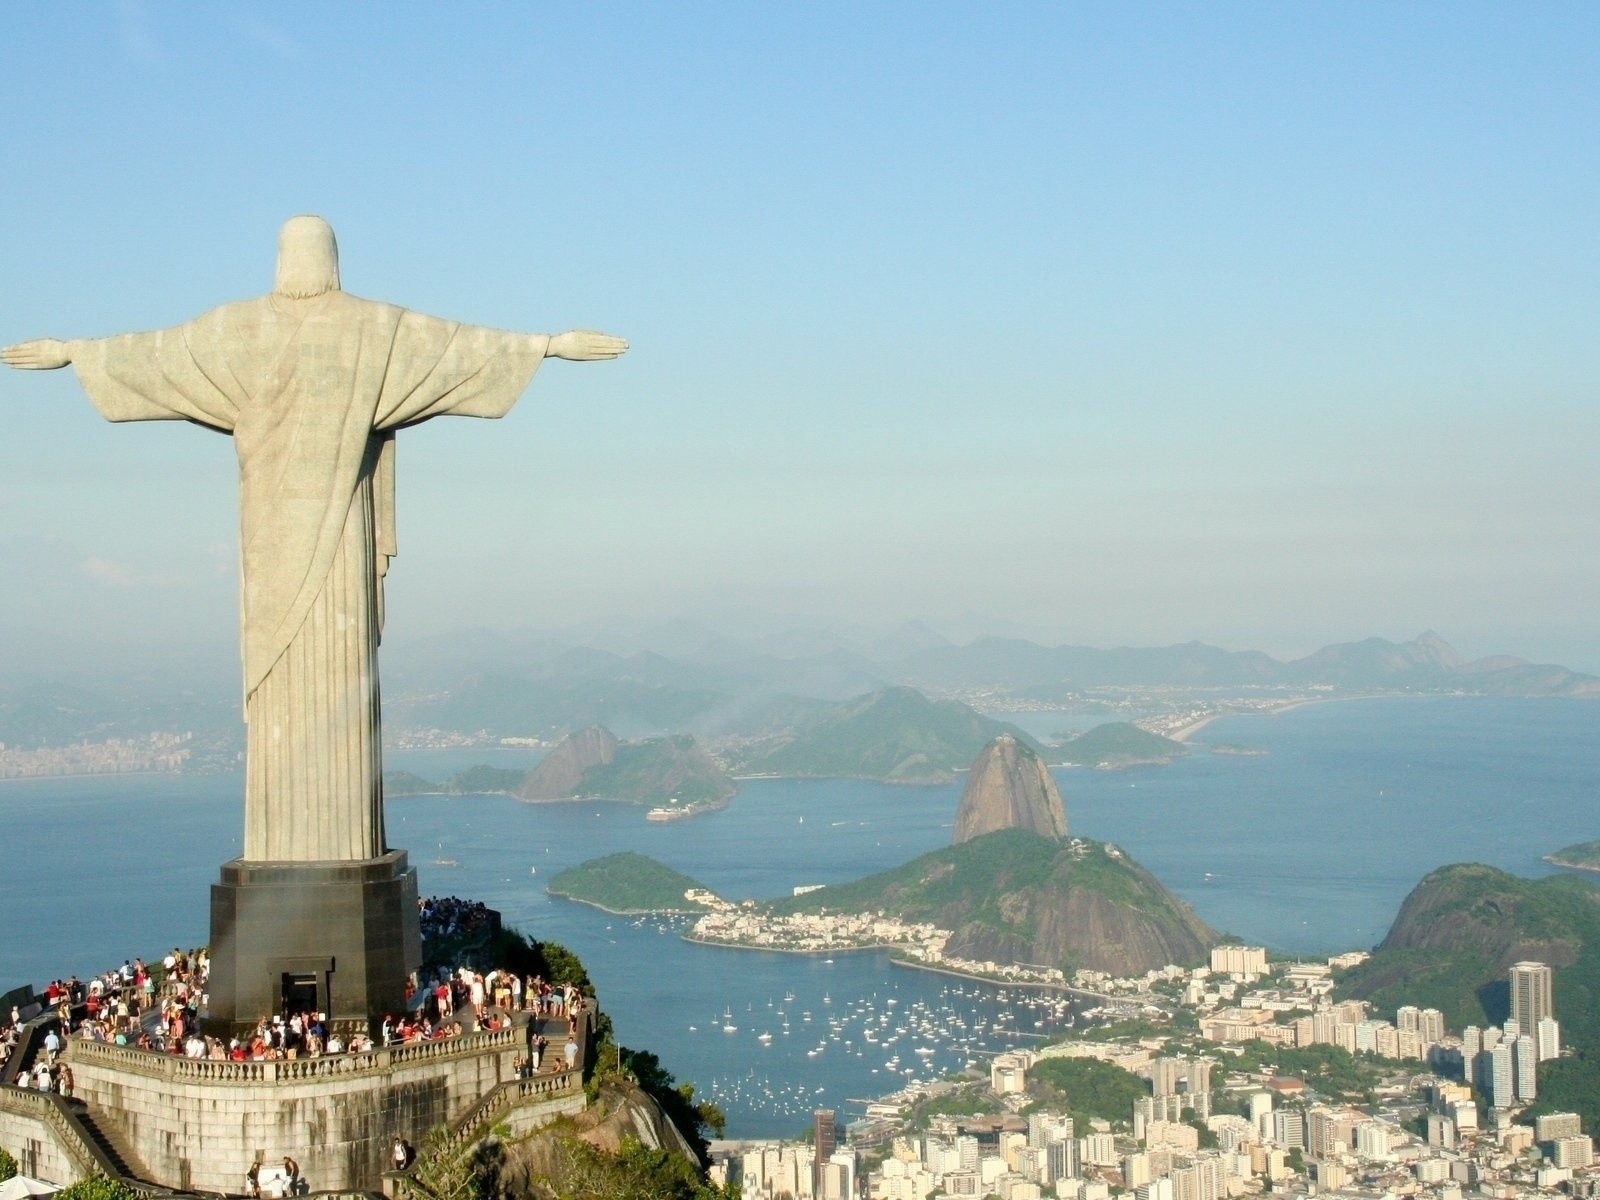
(1501, 1075)
(1432, 1029)
(1164, 1076)
(1551, 1126)
(1547, 1033)
(1530, 995)
(1575, 1151)
(1289, 1127)
(1525, 1061)
(824, 1141)
(1063, 1156)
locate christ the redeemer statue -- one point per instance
(312, 383)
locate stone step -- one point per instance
(101, 1127)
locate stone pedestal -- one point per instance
(335, 937)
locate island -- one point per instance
(674, 774)
(1116, 745)
(630, 884)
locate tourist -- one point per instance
(252, 1181)
(291, 1176)
(572, 1053)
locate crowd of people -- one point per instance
(450, 916)
(136, 1004)
(157, 1007)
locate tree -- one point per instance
(446, 1171)
(635, 1172)
(98, 1187)
(8, 1165)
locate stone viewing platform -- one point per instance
(165, 1122)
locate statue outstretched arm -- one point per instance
(585, 345)
(41, 354)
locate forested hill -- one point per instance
(1014, 896)
(1452, 946)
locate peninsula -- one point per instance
(1585, 856)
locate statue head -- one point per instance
(308, 258)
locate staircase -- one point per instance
(101, 1130)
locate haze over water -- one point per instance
(1308, 849)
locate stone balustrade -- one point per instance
(155, 1065)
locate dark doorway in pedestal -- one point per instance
(302, 992)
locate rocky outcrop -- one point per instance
(1014, 896)
(546, 1164)
(1097, 910)
(558, 773)
(1009, 787)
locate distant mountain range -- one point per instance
(686, 680)
(896, 734)
(721, 689)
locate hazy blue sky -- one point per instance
(1269, 325)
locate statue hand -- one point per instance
(585, 345)
(41, 354)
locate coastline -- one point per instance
(911, 964)
(1555, 860)
(85, 775)
(627, 912)
(1184, 733)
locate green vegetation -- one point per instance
(1458, 933)
(512, 951)
(618, 1066)
(98, 1187)
(970, 1101)
(8, 1165)
(1585, 856)
(1118, 744)
(1015, 896)
(1462, 927)
(658, 770)
(1235, 748)
(1331, 1070)
(897, 734)
(634, 1172)
(626, 883)
(1087, 1088)
(404, 783)
(446, 1171)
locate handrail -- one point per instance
(498, 1101)
(154, 1064)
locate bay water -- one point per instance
(1308, 848)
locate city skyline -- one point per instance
(1266, 329)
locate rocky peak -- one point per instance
(1009, 787)
(559, 771)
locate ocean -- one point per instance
(1308, 848)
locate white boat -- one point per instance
(764, 1038)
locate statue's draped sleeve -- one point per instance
(157, 377)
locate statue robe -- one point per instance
(312, 392)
